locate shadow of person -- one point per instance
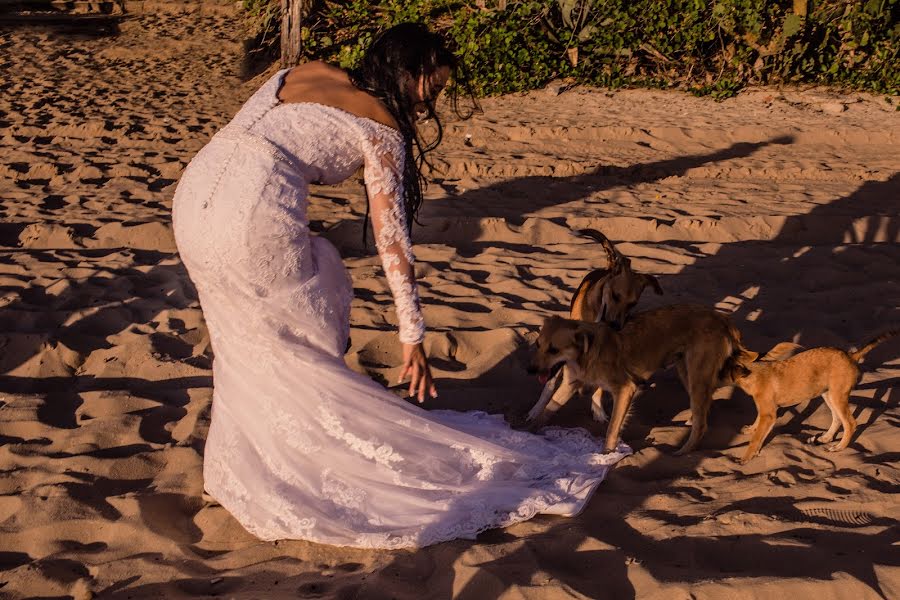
(504, 199)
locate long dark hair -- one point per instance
(390, 66)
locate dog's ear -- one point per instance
(782, 351)
(654, 283)
(732, 371)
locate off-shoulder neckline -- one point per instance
(279, 102)
(393, 130)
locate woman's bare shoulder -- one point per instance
(321, 83)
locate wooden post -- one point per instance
(292, 14)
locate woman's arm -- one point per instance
(384, 185)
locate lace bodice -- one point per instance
(329, 145)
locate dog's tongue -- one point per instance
(542, 378)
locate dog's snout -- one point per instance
(531, 370)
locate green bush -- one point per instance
(708, 47)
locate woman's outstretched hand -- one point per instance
(415, 364)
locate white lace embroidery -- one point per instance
(383, 175)
(295, 434)
(482, 462)
(341, 493)
(379, 452)
(301, 447)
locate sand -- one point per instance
(781, 206)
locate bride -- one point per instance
(300, 446)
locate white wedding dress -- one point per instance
(300, 446)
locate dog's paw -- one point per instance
(835, 447)
(748, 456)
(819, 439)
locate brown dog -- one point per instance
(699, 341)
(603, 296)
(776, 381)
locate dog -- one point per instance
(784, 377)
(699, 341)
(604, 295)
(609, 295)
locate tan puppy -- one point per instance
(699, 341)
(604, 295)
(774, 382)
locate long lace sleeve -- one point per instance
(384, 183)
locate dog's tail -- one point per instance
(594, 235)
(615, 259)
(859, 355)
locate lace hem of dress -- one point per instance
(546, 483)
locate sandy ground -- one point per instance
(780, 206)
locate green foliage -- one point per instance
(709, 47)
(720, 90)
(265, 21)
(263, 14)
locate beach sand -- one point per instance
(780, 206)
